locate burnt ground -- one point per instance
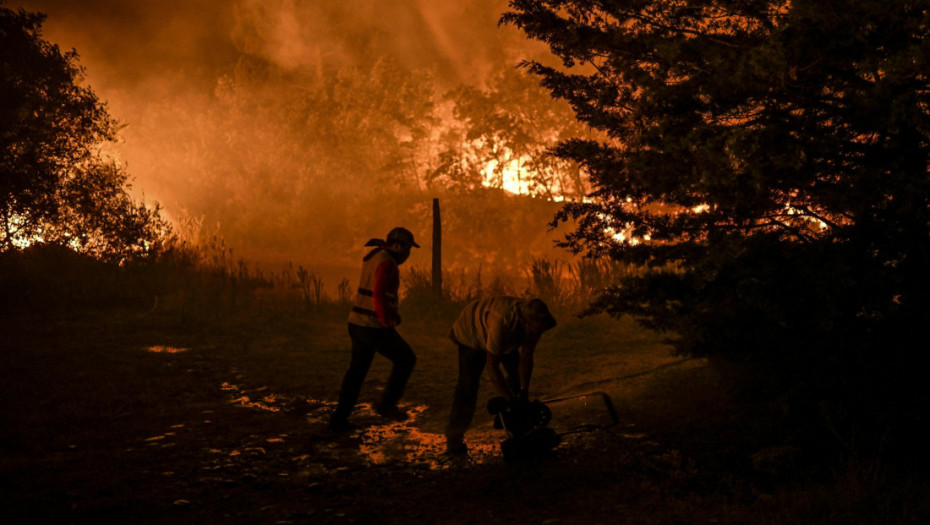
(129, 417)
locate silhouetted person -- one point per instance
(498, 334)
(372, 323)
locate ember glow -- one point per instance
(16, 223)
(159, 349)
(403, 442)
(380, 442)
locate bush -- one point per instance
(48, 278)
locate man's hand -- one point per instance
(519, 400)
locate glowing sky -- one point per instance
(157, 64)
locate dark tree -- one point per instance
(767, 163)
(57, 184)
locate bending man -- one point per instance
(498, 334)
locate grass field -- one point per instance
(179, 413)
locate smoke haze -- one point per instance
(132, 45)
(261, 120)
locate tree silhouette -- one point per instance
(766, 161)
(57, 184)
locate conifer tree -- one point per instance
(766, 162)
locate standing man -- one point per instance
(372, 323)
(494, 333)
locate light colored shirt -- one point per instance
(491, 324)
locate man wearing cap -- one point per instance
(494, 333)
(372, 323)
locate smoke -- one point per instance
(228, 106)
(458, 39)
(130, 44)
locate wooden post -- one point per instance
(437, 251)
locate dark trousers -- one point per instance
(471, 365)
(366, 341)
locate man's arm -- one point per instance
(384, 293)
(526, 365)
(493, 366)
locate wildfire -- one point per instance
(15, 225)
(509, 176)
(21, 242)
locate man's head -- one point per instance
(536, 316)
(399, 241)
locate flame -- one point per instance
(792, 211)
(517, 176)
(15, 225)
(626, 237)
(166, 349)
(509, 176)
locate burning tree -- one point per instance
(56, 183)
(499, 139)
(766, 162)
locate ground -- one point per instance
(148, 417)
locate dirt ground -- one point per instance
(134, 417)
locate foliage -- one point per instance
(267, 160)
(768, 161)
(499, 137)
(308, 166)
(56, 182)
